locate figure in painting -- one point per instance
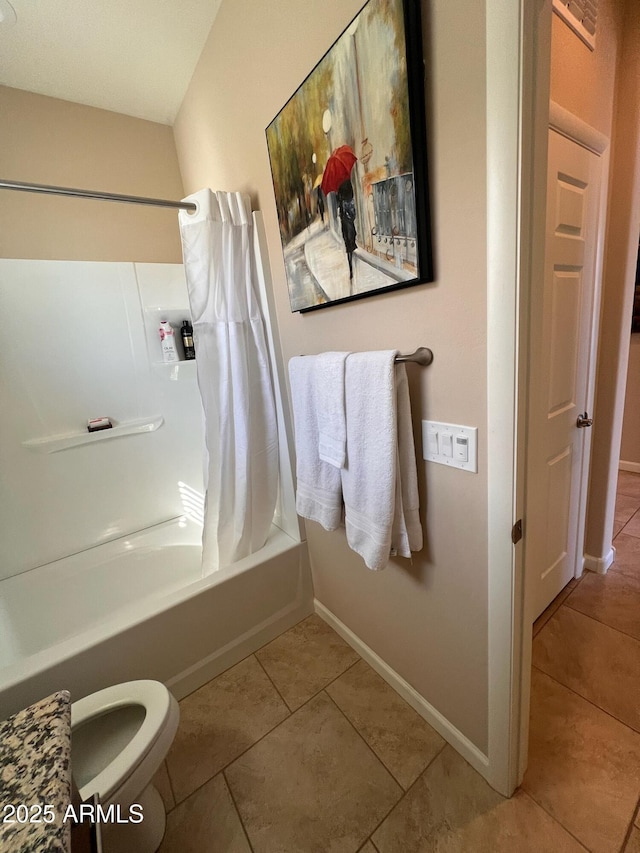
(347, 211)
(320, 203)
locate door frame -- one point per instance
(573, 128)
(518, 49)
(518, 120)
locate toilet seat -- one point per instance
(156, 730)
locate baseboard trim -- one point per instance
(634, 467)
(600, 565)
(477, 759)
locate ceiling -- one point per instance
(134, 57)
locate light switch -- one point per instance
(461, 448)
(450, 444)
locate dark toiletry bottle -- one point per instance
(187, 340)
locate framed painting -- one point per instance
(349, 166)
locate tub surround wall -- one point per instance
(49, 141)
(89, 348)
(426, 619)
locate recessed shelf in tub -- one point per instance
(54, 443)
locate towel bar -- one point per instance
(422, 356)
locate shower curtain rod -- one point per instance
(69, 191)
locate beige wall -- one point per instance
(630, 446)
(49, 141)
(427, 619)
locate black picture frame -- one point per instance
(349, 164)
(635, 319)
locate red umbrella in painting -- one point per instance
(338, 169)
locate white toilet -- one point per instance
(119, 738)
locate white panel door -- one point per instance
(558, 447)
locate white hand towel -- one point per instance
(329, 370)
(318, 492)
(369, 477)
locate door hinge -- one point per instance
(516, 532)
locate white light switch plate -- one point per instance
(444, 443)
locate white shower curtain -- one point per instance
(241, 468)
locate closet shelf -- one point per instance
(54, 443)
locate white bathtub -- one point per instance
(139, 607)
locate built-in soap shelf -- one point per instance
(54, 443)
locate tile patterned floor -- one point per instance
(303, 748)
(584, 748)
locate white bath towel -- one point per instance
(329, 368)
(379, 481)
(318, 492)
(407, 530)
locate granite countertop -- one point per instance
(35, 771)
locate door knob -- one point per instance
(584, 421)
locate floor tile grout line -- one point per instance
(553, 817)
(235, 758)
(627, 834)
(584, 699)
(222, 672)
(324, 687)
(625, 511)
(290, 713)
(620, 493)
(628, 533)
(318, 692)
(173, 793)
(262, 667)
(406, 793)
(627, 573)
(351, 665)
(606, 624)
(235, 805)
(368, 745)
(224, 769)
(547, 620)
(578, 581)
